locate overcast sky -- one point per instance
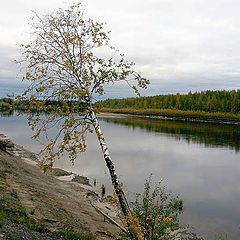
(180, 45)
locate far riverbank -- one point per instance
(178, 115)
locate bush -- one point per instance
(154, 213)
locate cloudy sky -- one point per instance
(179, 45)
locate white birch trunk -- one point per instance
(114, 178)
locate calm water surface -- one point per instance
(198, 162)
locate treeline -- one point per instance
(207, 101)
(6, 104)
(46, 105)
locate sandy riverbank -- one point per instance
(53, 200)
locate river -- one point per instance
(198, 162)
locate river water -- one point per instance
(198, 162)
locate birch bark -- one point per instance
(109, 163)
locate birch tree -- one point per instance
(63, 63)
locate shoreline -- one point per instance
(33, 189)
(183, 116)
(30, 158)
(167, 114)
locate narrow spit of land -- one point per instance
(178, 115)
(34, 205)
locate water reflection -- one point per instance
(6, 113)
(211, 135)
(198, 162)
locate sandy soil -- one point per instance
(57, 203)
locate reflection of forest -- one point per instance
(214, 135)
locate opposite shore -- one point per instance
(207, 106)
(178, 115)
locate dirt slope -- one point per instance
(55, 204)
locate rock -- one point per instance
(81, 179)
(59, 172)
(6, 144)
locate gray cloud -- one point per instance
(188, 44)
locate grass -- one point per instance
(10, 206)
(221, 237)
(70, 235)
(13, 236)
(12, 210)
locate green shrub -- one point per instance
(13, 236)
(70, 235)
(154, 212)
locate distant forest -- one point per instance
(207, 101)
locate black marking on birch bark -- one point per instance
(117, 187)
